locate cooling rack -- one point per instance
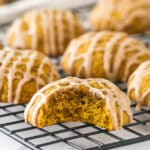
(77, 135)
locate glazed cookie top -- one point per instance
(136, 83)
(110, 49)
(121, 15)
(20, 67)
(47, 30)
(104, 89)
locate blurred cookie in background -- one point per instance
(47, 30)
(121, 15)
(105, 54)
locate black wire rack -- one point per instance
(77, 135)
(72, 136)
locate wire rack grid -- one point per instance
(71, 136)
(77, 135)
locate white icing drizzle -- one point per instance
(33, 29)
(142, 71)
(51, 19)
(127, 11)
(72, 22)
(108, 56)
(27, 75)
(52, 37)
(113, 95)
(60, 31)
(17, 29)
(88, 59)
(75, 45)
(45, 27)
(125, 44)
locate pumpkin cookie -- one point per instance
(139, 85)
(22, 73)
(46, 30)
(95, 101)
(121, 15)
(110, 55)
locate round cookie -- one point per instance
(110, 55)
(22, 73)
(121, 15)
(139, 85)
(46, 30)
(95, 101)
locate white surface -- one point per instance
(139, 146)
(7, 143)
